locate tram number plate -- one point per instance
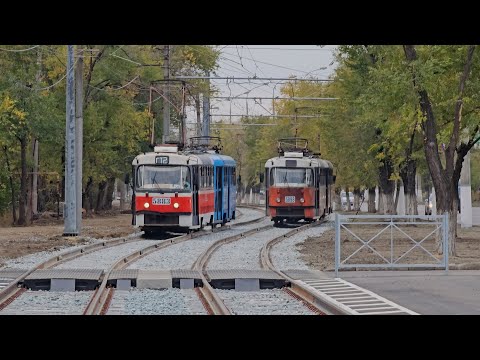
(161, 201)
(289, 199)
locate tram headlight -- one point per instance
(302, 200)
(146, 205)
(176, 205)
(278, 199)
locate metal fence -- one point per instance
(393, 230)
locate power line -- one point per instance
(118, 88)
(228, 126)
(273, 98)
(275, 65)
(270, 116)
(286, 49)
(294, 79)
(20, 50)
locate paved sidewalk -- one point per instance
(425, 292)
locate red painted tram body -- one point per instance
(299, 184)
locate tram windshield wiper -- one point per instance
(154, 180)
(285, 180)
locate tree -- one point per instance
(451, 62)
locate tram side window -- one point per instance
(309, 177)
(322, 176)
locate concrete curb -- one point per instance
(465, 266)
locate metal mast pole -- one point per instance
(166, 104)
(70, 220)
(206, 109)
(79, 134)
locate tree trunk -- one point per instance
(408, 174)
(389, 203)
(100, 196)
(452, 225)
(337, 200)
(397, 194)
(347, 195)
(109, 193)
(381, 205)
(88, 197)
(123, 194)
(356, 199)
(371, 200)
(35, 177)
(23, 182)
(387, 186)
(14, 211)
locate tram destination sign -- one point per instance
(162, 160)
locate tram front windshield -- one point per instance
(163, 177)
(291, 177)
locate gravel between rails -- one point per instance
(248, 214)
(32, 260)
(49, 303)
(103, 259)
(263, 302)
(285, 256)
(156, 302)
(183, 255)
(244, 253)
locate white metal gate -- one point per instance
(386, 223)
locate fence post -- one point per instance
(337, 243)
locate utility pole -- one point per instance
(206, 109)
(79, 135)
(166, 104)
(183, 123)
(152, 131)
(197, 109)
(69, 213)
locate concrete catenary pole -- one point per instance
(69, 213)
(206, 110)
(79, 135)
(166, 104)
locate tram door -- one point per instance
(218, 192)
(195, 181)
(228, 189)
(323, 190)
(267, 186)
(327, 191)
(317, 191)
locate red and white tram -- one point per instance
(182, 189)
(299, 184)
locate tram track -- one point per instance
(14, 289)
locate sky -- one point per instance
(264, 61)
